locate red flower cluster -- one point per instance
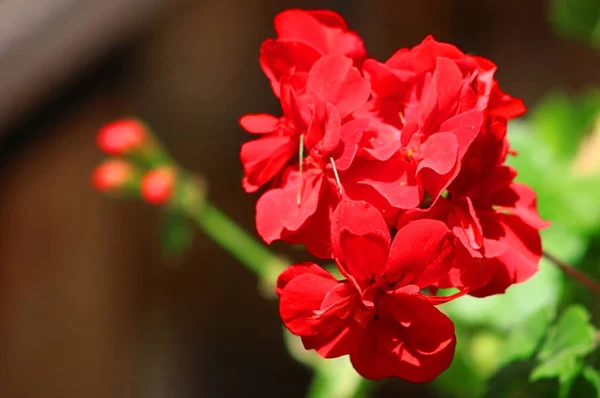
(411, 151)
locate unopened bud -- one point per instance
(158, 185)
(112, 175)
(121, 136)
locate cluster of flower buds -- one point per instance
(137, 165)
(396, 171)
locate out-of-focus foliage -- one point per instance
(513, 345)
(177, 234)
(578, 19)
(567, 343)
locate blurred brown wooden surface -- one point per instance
(87, 309)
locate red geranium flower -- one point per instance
(495, 219)
(334, 89)
(315, 109)
(302, 38)
(439, 124)
(378, 315)
(394, 80)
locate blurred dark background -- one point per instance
(87, 307)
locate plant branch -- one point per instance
(229, 235)
(574, 273)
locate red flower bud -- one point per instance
(111, 175)
(157, 185)
(121, 136)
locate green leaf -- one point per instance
(525, 338)
(561, 121)
(464, 378)
(592, 377)
(337, 378)
(512, 382)
(577, 19)
(177, 234)
(567, 343)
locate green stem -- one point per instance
(253, 254)
(229, 235)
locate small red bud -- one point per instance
(158, 185)
(111, 175)
(121, 136)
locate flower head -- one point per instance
(378, 315)
(121, 136)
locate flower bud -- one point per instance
(158, 185)
(112, 175)
(121, 136)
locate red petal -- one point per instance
(269, 208)
(467, 273)
(301, 296)
(360, 239)
(296, 215)
(417, 344)
(264, 158)
(279, 59)
(524, 247)
(334, 79)
(448, 81)
(259, 123)
(439, 153)
(393, 179)
(519, 262)
(323, 133)
(465, 127)
(387, 82)
(314, 233)
(296, 270)
(323, 30)
(521, 201)
(329, 18)
(339, 341)
(350, 134)
(467, 227)
(381, 141)
(422, 58)
(421, 254)
(439, 165)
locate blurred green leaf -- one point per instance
(585, 384)
(337, 378)
(561, 121)
(566, 199)
(463, 378)
(576, 19)
(567, 343)
(177, 234)
(332, 377)
(512, 381)
(525, 338)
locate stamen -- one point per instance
(401, 114)
(300, 166)
(335, 173)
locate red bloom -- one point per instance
(282, 213)
(440, 123)
(121, 136)
(113, 175)
(495, 219)
(158, 185)
(316, 109)
(378, 316)
(394, 80)
(302, 38)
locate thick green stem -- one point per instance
(250, 252)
